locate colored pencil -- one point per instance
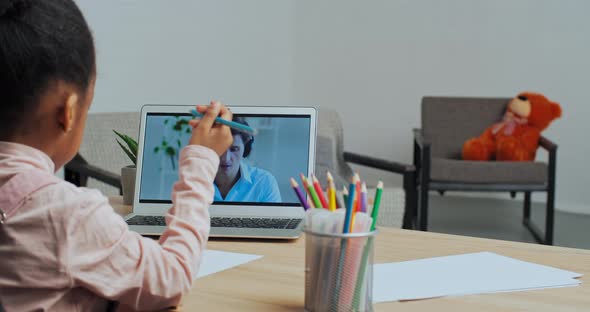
(376, 204)
(232, 124)
(357, 194)
(363, 205)
(343, 243)
(357, 200)
(363, 266)
(349, 207)
(338, 200)
(361, 274)
(304, 184)
(332, 204)
(344, 196)
(300, 194)
(313, 194)
(319, 192)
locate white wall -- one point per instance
(374, 60)
(371, 60)
(185, 52)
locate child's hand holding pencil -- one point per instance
(209, 134)
(201, 111)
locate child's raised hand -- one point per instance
(210, 134)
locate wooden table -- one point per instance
(275, 282)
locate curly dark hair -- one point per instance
(40, 42)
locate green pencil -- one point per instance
(344, 196)
(313, 194)
(363, 267)
(376, 204)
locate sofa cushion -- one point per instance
(461, 171)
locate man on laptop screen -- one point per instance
(255, 169)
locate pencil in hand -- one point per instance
(232, 124)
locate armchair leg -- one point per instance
(550, 218)
(423, 205)
(411, 202)
(527, 207)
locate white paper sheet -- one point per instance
(216, 261)
(466, 274)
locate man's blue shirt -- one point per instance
(254, 185)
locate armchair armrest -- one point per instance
(421, 154)
(378, 163)
(547, 144)
(78, 170)
(552, 149)
(409, 176)
(419, 138)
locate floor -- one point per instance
(501, 219)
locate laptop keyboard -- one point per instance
(249, 223)
(255, 223)
(147, 220)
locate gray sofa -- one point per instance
(99, 162)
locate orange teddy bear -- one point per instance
(516, 138)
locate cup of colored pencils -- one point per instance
(339, 244)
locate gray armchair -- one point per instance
(447, 122)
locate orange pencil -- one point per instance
(319, 191)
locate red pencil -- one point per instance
(318, 189)
(357, 201)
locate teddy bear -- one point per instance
(516, 137)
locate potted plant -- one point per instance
(128, 172)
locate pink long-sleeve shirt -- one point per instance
(64, 248)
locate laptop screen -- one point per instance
(255, 170)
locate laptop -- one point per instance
(261, 202)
